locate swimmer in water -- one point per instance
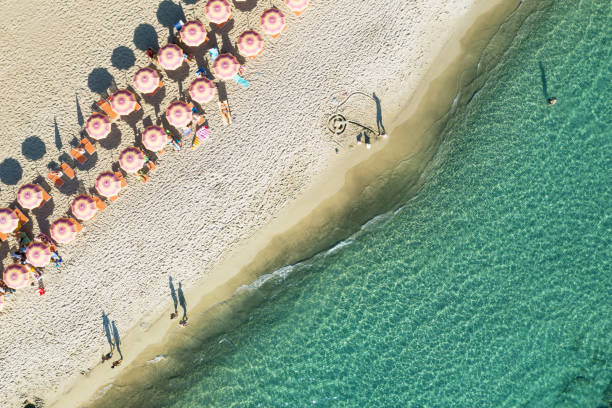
(552, 100)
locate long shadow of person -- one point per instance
(117, 339)
(379, 121)
(107, 331)
(173, 294)
(543, 79)
(181, 298)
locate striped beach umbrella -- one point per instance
(131, 159)
(16, 276)
(30, 196)
(178, 114)
(250, 43)
(38, 254)
(193, 33)
(226, 66)
(202, 90)
(123, 102)
(84, 207)
(170, 56)
(154, 138)
(108, 184)
(63, 230)
(218, 11)
(273, 22)
(8, 220)
(98, 126)
(146, 80)
(297, 6)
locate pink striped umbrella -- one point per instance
(170, 56)
(146, 80)
(178, 114)
(30, 196)
(98, 126)
(273, 21)
(250, 43)
(38, 254)
(108, 184)
(123, 102)
(218, 11)
(8, 220)
(131, 159)
(84, 207)
(16, 276)
(63, 230)
(154, 138)
(193, 33)
(226, 66)
(297, 6)
(202, 90)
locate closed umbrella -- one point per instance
(297, 6)
(98, 126)
(108, 184)
(273, 22)
(226, 66)
(154, 138)
(30, 196)
(250, 43)
(16, 276)
(131, 159)
(178, 114)
(170, 57)
(84, 207)
(202, 90)
(38, 254)
(193, 33)
(218, 11)
(123, 102)
(8, 220)
(146, 80)
(63, 230)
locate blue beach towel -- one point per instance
(241, 81)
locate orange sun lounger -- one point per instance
(100, 205)
(78, 156)
(88, 146)
(67, 170)
(105, 106)
(57, 180)
(22, 218)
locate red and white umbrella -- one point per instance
(84, 207)
(146, 80)
(154, 138)
(63, 230)
(218, 11)
(193, 33)
(179, 114)
(273, 22)
(108, 184)
(226, 66)
(250, 43)
(170, 57)
(202, 90)
(30, 196)
(98, 126)
(131, 159)
(8, 220)
(38, 254)
(123, 102)
(16, 276)
(297, 6)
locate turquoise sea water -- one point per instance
(491, 288)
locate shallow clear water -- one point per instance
(492, 288)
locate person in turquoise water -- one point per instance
(552, 100)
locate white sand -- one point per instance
(197, 204)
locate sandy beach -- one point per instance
(198, 205)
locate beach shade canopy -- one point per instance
(178, 114)
(146, 80)
(273, 21)
(108, 184)
(250, 43)
(131, 159)
(84, 207)
(16, 276)
(154, 138)
(30, 196)
(8, 220)
(123, 102)
(202, 90)
(218, 11)
(38, 254)
(63, 230)
(297, 6)
(170, 56)
(193, 33)
(226, 66)
(98, 126)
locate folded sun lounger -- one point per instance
(57, 180)
(78, 156)
(88, 146)
(105, 106)
(67, 170)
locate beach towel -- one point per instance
(214, 53)
(201, 135)
(241, 81)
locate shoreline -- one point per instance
(332, 188)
